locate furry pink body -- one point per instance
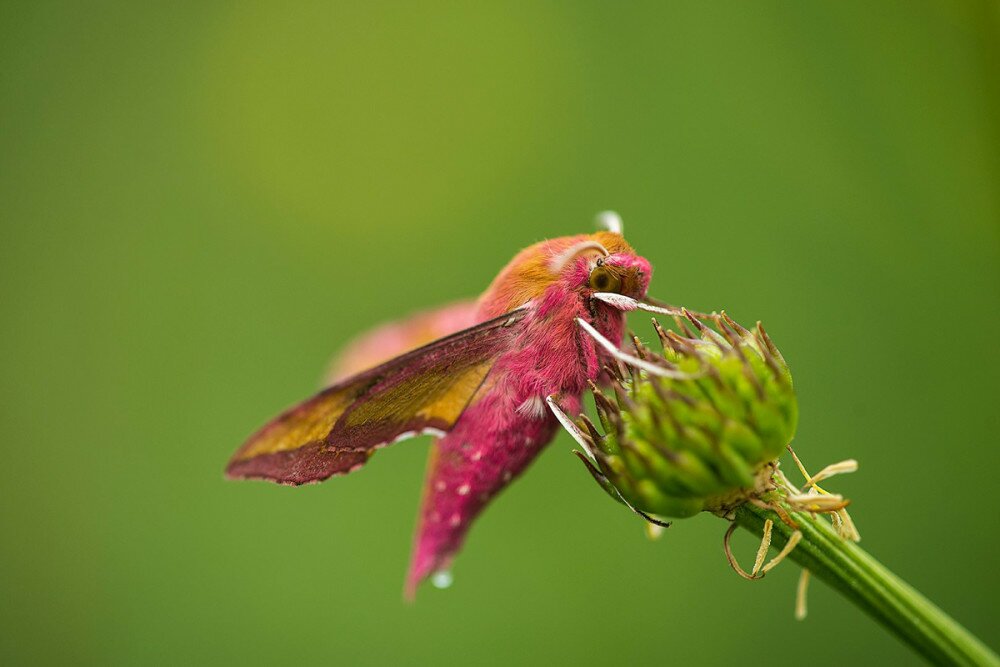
(508, 422)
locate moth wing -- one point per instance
(388, 340)
(338, 429)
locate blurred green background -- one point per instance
(201, 201)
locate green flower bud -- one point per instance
(705, 434)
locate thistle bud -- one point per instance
(702, 435)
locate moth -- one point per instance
(480, 376)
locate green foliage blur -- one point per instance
(200, 202)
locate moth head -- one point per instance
(626, 274)
(604, 263)
(580, 265)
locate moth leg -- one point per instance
(552, 400)
(651, 519)
(627, 358)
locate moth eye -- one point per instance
(603, 280)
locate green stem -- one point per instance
(873, 588)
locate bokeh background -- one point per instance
(199, 202)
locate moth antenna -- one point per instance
(628, 304)
(666, 306)
(610, 221)
(559, 262)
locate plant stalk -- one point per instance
(874, 589)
